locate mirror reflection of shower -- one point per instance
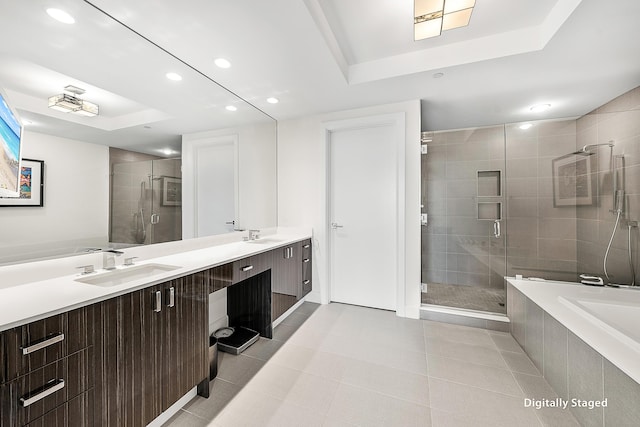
(140, 231)
(145, 202)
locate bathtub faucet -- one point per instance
(586, 279)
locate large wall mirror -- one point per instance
(141, 110)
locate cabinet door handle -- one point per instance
(49, 388)
(158, 301)
(42, 344)
(305, 247)
(306, 260)
(247, 268)
(306, 282)
(172, 297)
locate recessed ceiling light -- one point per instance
(273, 100)
(60, 16)
(222, 63)
(231, 107)
(438, 75)
(525, 126)
(167, 151)
(540, 107)
(174, 76)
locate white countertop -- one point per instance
(27, 302)
(555, 298)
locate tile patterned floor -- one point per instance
(342, 365)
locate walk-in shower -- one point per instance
(145, 204)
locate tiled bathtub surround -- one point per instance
(573, 368)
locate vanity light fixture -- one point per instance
(60, 16)
(70, 102)
(538, 108)
(273, 100)
(231, 108)
(174, 77)
(525, 126)
(222, 63)
(432, 17)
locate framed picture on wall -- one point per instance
(31, 185)
(572, 183)
(171, 191)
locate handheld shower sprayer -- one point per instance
(619, 202)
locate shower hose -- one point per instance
(606, 254)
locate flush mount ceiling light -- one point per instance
(61, 16)
(69, 102)
(222, 63)
(231, 108)
(174, 76)
(538, 108)
(432, 17)
(273, 100)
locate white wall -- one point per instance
(302, 192)
(257, 176)
(76, 195)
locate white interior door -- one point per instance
(363, 216)
(216, 187)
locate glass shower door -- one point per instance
(146, 202)
(165, 220)
(463, 231)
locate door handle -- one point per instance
(157, 296)
(42, 344)
(50, 388)
(335, 225)
(172, 297)
(496, 228)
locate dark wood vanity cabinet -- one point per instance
(305, 285)
(124, 361)
(291, 276)
(151, 349)
(47, 371)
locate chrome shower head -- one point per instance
(584, 151)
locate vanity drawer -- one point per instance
(32, 346)
(31, 396)
(250, 266)
(77, 412)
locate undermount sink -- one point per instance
(127, 274)
(265, 240)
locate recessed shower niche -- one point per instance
(489, 183)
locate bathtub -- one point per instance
(607, 319)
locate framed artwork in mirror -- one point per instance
(31, 185)
(171, 191)
(572, 184)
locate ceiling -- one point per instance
(317, 56)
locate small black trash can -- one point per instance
(213, 357)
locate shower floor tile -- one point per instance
(467, 297)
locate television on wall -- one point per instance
(10, 149)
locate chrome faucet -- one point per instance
(109, 258)
(254, 234)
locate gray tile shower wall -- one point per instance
(459, 247)
(541, 237)
(618, 120)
